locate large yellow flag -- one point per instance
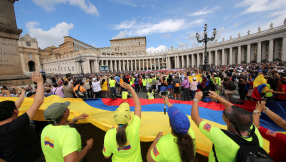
(260, 80)
(198, 76)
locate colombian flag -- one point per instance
(49, 142)
(257, 91)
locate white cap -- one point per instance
(193, 74)
(194, 78)
(93, 79)
(1, 87)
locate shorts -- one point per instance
(153, 86)
(170, 86)
(163, 88)
(177, 90)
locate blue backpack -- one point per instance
(206, 99)
(208, 83)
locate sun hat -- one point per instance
(179, 121)
(55, 110)
(122, 114)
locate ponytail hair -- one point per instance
(185, 146)
(121, 138)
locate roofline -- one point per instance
(80, 41)
(126, 38)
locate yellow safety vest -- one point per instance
(124, 95)
(150, 95)
(144, 82)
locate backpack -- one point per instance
(249, 151)
(177, 85)
(231, 86)
(208, 83)
(80, 94)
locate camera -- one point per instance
(206, 93)
(165, 93)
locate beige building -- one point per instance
(29, 53)
(131, 46)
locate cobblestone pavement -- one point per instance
(88, 131)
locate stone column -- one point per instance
(270, 50)
(143, 64)
(159, 64)
(155, 67)
(135, 65)
(111, 65)
(198, 60)
(188, 61)
(258, 52)
(263, 51)
(248, 53)
(252, 52)
(86, 67)
(276, 49)
(193, 59)
(183, 61)
(95, 66)
(283, 54)
(239, 55)
(115, 65)
(210, 57)
(216, 58)
(127, 65)
(131, 64)
(230, 56)
(242, 53)
(147, 66)
(223, 57)
(176, 62)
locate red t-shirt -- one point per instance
(277, 143)
(140, 81)
(282, 88)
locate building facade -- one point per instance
(266, 45)
(130, 46)
(29, 53)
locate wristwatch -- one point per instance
(196, 99)
(74, 119)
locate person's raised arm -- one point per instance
(39, 97)
(276, 118)
(7, 92)
(20, 100)
(137, 110)
(215, 96)
(195, 109)
(256, 115)
(166, 101)
(78, 156)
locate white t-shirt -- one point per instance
(96, 86)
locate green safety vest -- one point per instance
(144, 82)
(124, 95)
(150, 95)
(149, 80)
(217, 81)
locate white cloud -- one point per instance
(261, 5)
(125, 2)
(205, 11)
(236, 24)
(25, 11)
(156, 50)
(165, 26)
(53, 36)
(146, 5)
(219, 35)
(49, 5)
(122, 34)
(182, 45)
(166, 36)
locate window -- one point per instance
(139, 44)
(28, 43)
(30, 56)
(72, 68)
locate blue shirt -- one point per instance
(247, 86)
(117, 79)
(136, 81)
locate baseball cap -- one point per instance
(194, 78)
(179, 121)
(283, 79)
(122, 113)
(55, 110)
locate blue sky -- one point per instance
(165, 23)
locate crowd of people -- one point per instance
(59, 141)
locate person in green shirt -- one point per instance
(238, 121)
(179, 145)
(144, 82)
(150, 94)
(112, 84)
(124, 142)
(59, 141)
(124, 94)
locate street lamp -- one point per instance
(206, 66)
(80, 60)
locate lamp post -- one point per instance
(206, 66)
(80, 60)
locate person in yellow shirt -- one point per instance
(104, 88)
(144, 82)
(112, 84)
(124, 142)
(179, 145)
